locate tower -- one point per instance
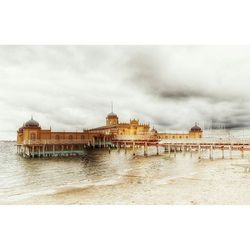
(112, 118)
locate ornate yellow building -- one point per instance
(32, 140)
(194, 132)
(114, 128)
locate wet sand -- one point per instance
(215, 182)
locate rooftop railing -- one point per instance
(55, 141)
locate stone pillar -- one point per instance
(125, 147)
(169, 150)
(199, 151)
(230, 151)
(33, 151)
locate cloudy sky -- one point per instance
(172, 87)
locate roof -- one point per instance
(195, 128)
(112, 114)
(31, 123)
(103, 127)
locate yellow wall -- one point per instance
(197, 134)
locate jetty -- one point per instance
(74, 147)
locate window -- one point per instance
(82, 137)
(57, 137)
(33, 136)
(70, 137)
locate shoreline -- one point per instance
(216, 182)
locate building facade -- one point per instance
(32, 140)
(194, 132)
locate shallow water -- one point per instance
(24, 178)
(21, 178)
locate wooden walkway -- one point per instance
(190, 145)
(48, 148)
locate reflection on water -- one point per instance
(21, 178)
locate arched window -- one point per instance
(82, 137)
(70, 137)
(173, 137)
(33, 136)
(57, 137)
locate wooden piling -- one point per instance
(145, 149)
(133, 147)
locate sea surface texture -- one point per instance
(100, 177)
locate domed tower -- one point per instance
(112, 118)
(195, 132)
(31, 130)
(31, 124)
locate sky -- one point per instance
(171, 87)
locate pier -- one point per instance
(200, 145)
(33, 141)
(76, 147)
(60, 147)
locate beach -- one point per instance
(217, 182)
(100, 177)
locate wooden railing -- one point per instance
(55, 142)
(144, 137)
(208, 141)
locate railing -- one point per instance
(134, 137)
(55, 142)
(208, 141)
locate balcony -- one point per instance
(56, 142)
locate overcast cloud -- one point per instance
(172, 87)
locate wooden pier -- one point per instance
(198, 145)
(53, 148)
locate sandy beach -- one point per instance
(216, 182)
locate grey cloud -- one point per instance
(71, 87)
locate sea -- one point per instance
(22, 178)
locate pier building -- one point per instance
(194, 132)
(34, 141)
